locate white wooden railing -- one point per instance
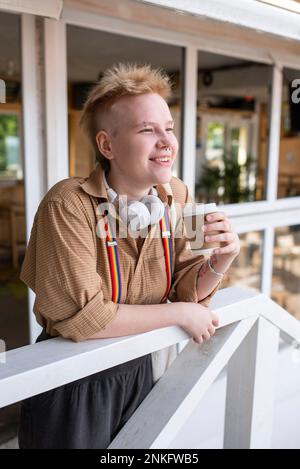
(246, 341)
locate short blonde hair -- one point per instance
(123, 79)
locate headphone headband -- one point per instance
(138, 214)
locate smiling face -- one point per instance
(139, 140)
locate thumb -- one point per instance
(215, 319)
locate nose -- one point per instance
(165, 146)
(165, 141)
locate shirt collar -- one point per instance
(94, 186)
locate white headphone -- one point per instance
(138, 214)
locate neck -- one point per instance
(129, 188)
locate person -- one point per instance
(91, 287)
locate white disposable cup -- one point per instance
(198, 243)
(193, 215)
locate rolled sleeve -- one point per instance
(67, 286)
(89, 320)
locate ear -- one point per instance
(104, 144)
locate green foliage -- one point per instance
(229, 179)
(8, 127)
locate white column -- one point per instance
(274, 136)
(267, 261)
(251, 389)
(32, 114)
(56, 101)
(189, 109)
(272, 174)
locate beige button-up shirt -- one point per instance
(66, 262)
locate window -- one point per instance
(286, 269)
(246, 268)
(14, 317)
(232, 129)
(10, 148)
(289, 157)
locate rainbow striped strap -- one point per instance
(114, 261)
(167, 240)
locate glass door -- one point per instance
(227, 156)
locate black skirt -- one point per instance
(87, 413)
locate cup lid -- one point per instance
(210, 208)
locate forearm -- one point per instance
(135, 319)
(207, 280)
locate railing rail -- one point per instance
(247, 340)
(177, 394)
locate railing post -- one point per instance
(251, 388)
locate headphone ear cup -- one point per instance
(155, 207)
(136, 215)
